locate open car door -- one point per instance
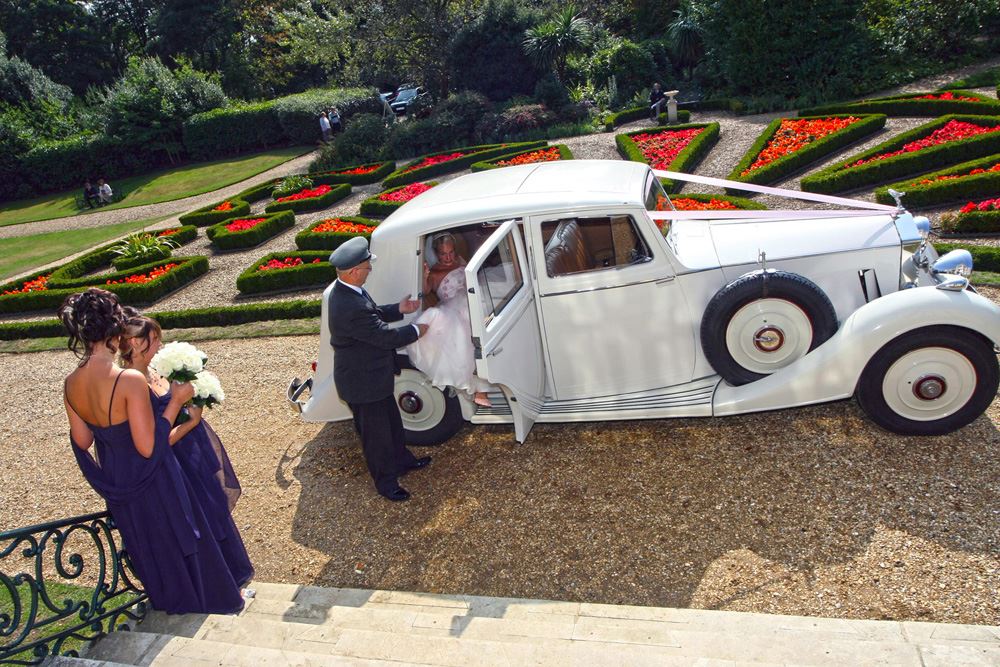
(505, 329)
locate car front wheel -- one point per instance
(930, 381)
(430, 416)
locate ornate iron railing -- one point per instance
(51, 607)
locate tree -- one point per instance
(200, 30)
(549, 44)
(686, 41)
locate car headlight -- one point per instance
(923, 226)
(956, 263)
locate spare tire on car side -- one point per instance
(764, 321)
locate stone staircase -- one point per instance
(306, 626)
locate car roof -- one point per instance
(515, 191)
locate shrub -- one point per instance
(562, 149)
(239, 128)
(207, 215)
(407, 173)
(521, 118)
(466, 107)
(290, 185)
(811, 152)
(373, 172)
(934, 191)
(194, 317)
(613, 120)
(906, 105)
(425, 135)
(308, 239)
(273, 224)
(685, 160)
(374, 205)
(310, 273)
(837, 178)
(335, 194)
(631, 65)
(551, 92)
(361, 141)
(298, 115)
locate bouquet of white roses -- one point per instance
(179, 362)
(207, 390)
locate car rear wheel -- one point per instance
(762, 322)
(930, 381)
(430, 416)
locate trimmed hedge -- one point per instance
(184, 235)
(274, 224)
(905, 105)
(375, 206)
(218, 316)
(309, 240)
(810, 153)
(973, 222)
(835, 178)
(307, 274)
(205, 216)
(685, 160)
(944, 192)
(564, 154)
(336, 193)
(472, 154)
(135, 294)
(331, 177)
(744, 203)
(613, 120)
(984, 257)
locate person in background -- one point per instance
(104, 191)
(656, 100)
(90, 195)
(335, 123)
(324, 126)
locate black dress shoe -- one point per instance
(397, 494)
(422, 462)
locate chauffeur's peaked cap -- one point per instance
(351, 253)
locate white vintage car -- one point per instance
(588, 302)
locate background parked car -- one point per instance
(406, 99)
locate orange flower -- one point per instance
(794, 134)
(542, 155)
(341, 226)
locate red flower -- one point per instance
(169, 232)
(945, 96)
(405, 193)
(142, 278)
(985, 205)
(308, 193)
(225, 206)
(952, 177)
(244, 224)
(342, 226)
(688, 204)
(953, 130)
(436, 159)
(357, 171)
(541, 155)
(795, 134)
(661, 148)
(33, 285)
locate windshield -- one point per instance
(405, 95)
(656, 196)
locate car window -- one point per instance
(577, 245)
(656, 196)
(499, 278)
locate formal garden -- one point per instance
(229, 203)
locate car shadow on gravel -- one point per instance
(739, 512)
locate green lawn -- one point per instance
(192, 179)
(22, 253)
(989, 77)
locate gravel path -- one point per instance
(809, 511)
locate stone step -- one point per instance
(67, 661)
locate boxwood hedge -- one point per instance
(375, 206)
(308, 274)
(937, 192)
(336, 193)
(973, 222)
(217, 316)
(183, 235)
(907, 105)
(382, 170)
(838, 178)
(984, 257)
(806, 155)
(135, 294)
(564, 154)
(274, 224)
(614, 120)
(684, 161)
(406, 174)
(310, 240)
(207, 215)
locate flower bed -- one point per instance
(945, 141)
(329, 234)
(362, 174)
(968, 180)
(287, 270)
(789, 144)
(213, 213)
(178, 235)
(385, 203)
(530, 156)
(138, 286)
(310, 199)
(452, 160)
(673, 147)
(916, 104)
(708, 202)
(192, 317)
(982, 217)
(240, 233)
(614, 120)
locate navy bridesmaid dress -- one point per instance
(169, 540)
(206, 465)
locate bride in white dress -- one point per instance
(445, 354)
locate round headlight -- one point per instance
(923, 226)
(956, 263)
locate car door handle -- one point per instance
(664, 281)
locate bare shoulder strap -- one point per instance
(111, 401)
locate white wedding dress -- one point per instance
(445, 354)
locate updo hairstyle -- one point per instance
(92, 317)
(138, 328)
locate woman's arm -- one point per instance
(178, 432)
(139, 408)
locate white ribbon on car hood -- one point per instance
(858, 208)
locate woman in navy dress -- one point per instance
(197, 448)
(123, 451)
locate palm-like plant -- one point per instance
(685, 33)
(136, 247)
(549, 44)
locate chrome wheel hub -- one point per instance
(930, 387)
(410, 403)
(769, 339)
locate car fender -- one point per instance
(832, 370)
(324, 403)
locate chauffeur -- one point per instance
(364, 364)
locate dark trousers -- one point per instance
(381, 430)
